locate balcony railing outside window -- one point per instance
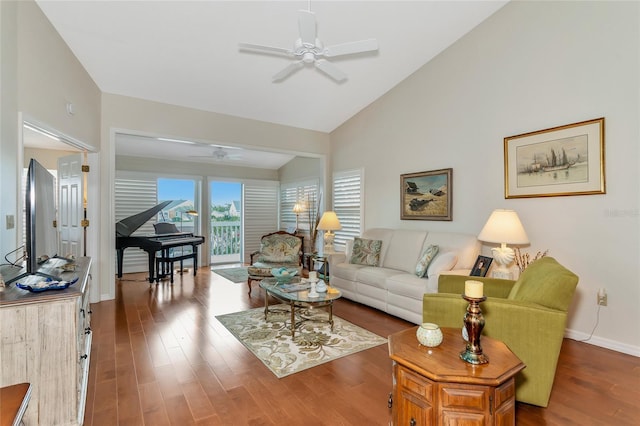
(225, 238)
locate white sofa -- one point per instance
(393, 286)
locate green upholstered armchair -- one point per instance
(529, 315)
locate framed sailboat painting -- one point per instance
(564, 160)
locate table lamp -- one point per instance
(329, 222)
(190, 213)
(297, 209)
(503, 227)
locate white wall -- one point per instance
(193, 168)
(8, 124)
(531, 66)
(50, 76)
(38, 75)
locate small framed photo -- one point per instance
(564, 160)
(481, 267)
(426, 195)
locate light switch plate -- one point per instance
(11, 221)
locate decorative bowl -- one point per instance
(429, 334)
(283, 274)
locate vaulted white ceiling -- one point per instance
(186, 52)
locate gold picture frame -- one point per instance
(560, 161)
(426, 195)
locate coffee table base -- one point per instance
(299, 308)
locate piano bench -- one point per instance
(167, 261)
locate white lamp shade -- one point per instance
(503, 226)
(298, 208)
(329, 222)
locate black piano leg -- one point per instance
(195, 260)
(152, 266)
(120, 256)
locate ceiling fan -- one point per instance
(220, 154)
(308, 49)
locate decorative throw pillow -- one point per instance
(426, 258)
(366, 252)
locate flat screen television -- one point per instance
(41, 243)
(40, 205)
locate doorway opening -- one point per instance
(226, 222)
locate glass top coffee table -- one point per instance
(295, 293)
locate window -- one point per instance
(137, 192)
(347, 203)
(260, 203)
(305, 192)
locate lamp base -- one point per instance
(503, 256)
(502, 272)
(328, 242)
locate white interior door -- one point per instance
(70, 205)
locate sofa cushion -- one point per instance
(346, 271)
(425, 260)
(366, 252)
(408, 285)
(467, 246)
(404, 250)
(383, 234)
(375, 276)
(442, 262)
(547, 283)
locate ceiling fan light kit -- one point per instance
(220, 153)
(308, 49)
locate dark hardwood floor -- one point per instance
(160, 357)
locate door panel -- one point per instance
(70, 205)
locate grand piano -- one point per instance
(152, 244)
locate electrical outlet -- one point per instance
(602, 297)
(10, 221)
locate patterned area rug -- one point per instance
(236, 275)
(314, 343)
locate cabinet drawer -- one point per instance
(463, 397)
(415, 383)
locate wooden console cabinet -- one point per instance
(46, 341)
(433, 386)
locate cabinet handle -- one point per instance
(390, 401)
(85, 356)
(87, 330)
(412, 422)
(491, 405)
(90, 312)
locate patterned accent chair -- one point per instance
(277, 249)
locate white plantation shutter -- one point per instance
(294, 192)
(134, 195)
(260, 201)
(347, 203)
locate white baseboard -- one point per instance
(603, 343)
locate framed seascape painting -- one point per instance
(565, 160)
(426, 195)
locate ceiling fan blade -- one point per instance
(265, 49)
(307, 27)
(351, 48)
(331, 70)
(293, 67)
(224, 146)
